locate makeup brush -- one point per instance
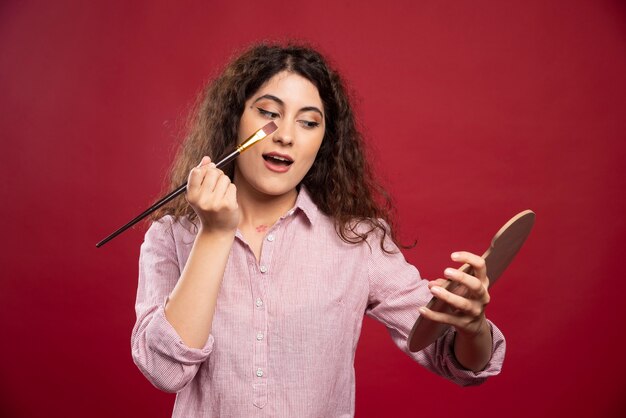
(256, 137)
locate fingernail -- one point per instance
(435, 289)
(455, 256)
(449, 272)
(422, 310)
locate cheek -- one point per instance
(314, 149)
(247, 126)
(310, 159)
(245, 160)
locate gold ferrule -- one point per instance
(257, 136)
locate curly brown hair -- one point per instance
(340, 181)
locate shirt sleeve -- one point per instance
(157, 349)
(396, 293)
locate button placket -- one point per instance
(261, 277)
(259, 318)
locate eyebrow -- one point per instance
(282, 103)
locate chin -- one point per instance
(270, 184)
(274, 189)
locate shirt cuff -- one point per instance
(162, 338)
(468, 377)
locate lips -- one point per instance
(277, 162)
(276, 158)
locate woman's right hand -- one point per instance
(213, 197)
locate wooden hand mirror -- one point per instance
(504, 246)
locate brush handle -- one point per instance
(170, 196)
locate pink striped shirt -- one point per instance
(286, 328)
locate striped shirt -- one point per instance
(286, 327)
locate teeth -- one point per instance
(276, 157)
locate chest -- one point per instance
(296, 291)
(254, 237)
(291, 280)
(294, 273)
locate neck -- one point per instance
(262, 210)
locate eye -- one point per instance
(308, 124)
(267, 113)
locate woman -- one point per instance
(252, 291)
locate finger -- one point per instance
(210, 177)
(221, 187)
(205, 160)
(455, 301)
(194, 181)
(438, 282)
(441, 317)
(477, 262)
(231, 196)
(450, 286)
(470, 282)
(196, 174)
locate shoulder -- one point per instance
(375, 233)
(356, 232)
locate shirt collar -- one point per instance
(306, 205)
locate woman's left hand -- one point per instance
(468, 301)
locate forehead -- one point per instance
(292, 89)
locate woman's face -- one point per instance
(276, 165)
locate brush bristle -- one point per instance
(269, 128)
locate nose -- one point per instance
(285, 133)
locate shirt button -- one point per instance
(259, 372)
(259, 336)
(259, 302)
(263, 269)
(270, 237)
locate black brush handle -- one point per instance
(170, 196)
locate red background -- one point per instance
(475, 110)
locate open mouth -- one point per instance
(277, 159)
